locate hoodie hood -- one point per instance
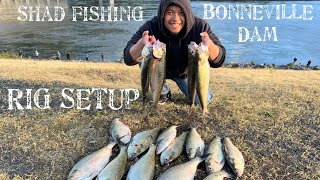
(185, 5)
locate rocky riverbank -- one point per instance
(272, 66)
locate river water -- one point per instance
(294, 37)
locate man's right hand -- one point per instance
(145, 39)
(135, 50)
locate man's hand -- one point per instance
(145, 39)
(213, 49)
(135, 50)
(205, 39)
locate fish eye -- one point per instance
(136, 145)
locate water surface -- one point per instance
(296, 38)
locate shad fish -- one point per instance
(194, 144)
(116, 168)
(233, 156)
(153, 70)
(198, 75)
(215, 161)
(158, 70)
(147, 58)
(120, 132)
(90, 166)
(165, 138)
(173, 150)
(219, 175)
(144, 168)
(183, 171)
(141, 141)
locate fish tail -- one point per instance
(119, 142)
(205, 112)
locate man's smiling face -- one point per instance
(174, 19)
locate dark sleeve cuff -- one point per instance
(128, 60)
(219, 60)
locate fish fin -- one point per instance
(231, 161)
(222, 161)
(157, 142)
(111, 140)
(129, 142)
(120, 143)
(204, 157)
(206, 114)
(198, 152)
(72, 174)
(193, 125)
(151, 139)
(231, 176)
(191, 109)
(144, 108)
(183, 127)
(207, 154)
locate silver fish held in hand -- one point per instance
(153, 70)
(198, 75)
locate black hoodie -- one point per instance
(177, 46)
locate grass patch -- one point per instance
(272, 116)
(8, 55)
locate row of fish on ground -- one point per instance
(169, 146)
(153, 72)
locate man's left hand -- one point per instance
(213, 49)
(205, 39)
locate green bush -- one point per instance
(9, 55)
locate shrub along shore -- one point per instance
(291, 66)
(252, 65)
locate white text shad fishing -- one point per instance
(81, 13)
